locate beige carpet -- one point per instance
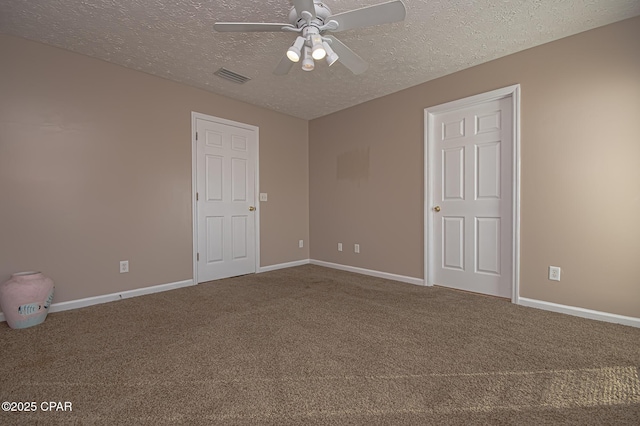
(314, 346)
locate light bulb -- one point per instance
(318, 53)
(293, 55)
(317, 50)
(307, 62)
(294, 51)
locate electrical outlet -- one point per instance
(339, 246)
(554, 273)
(356, 248)
(301, 243)
(124, 266)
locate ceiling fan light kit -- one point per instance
(317, 51)
(295, 51)
(307, 63)
(312, 19)
(331, 57)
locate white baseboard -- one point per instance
(96, 300)
(579, 312)
(370, 272)
(283, 265)
(532, 303)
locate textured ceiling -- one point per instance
(175, 40)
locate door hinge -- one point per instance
(197, 196)
(196, 135)
(198, 257)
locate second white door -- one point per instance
(226, 185)
(472, 198)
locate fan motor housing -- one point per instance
(322, 13)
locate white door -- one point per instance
(225, 186)
(472, 198)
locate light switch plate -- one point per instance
(263, 196)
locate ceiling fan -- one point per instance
(311, 19)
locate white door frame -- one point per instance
(194, 206)
(512, 92)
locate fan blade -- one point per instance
(383, 13)
(302, 5)
(244, 27)
(348, 57)
(283, 66)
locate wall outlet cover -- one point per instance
(554, 273)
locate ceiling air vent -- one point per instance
(231, 76)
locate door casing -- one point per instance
(512, 92)
(194, 206)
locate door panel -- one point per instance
(488, 162)
(488, 122)
(472, 186)
(453, 242)
(239, 238)
(225, 168)
(453, 173)
(239, 177)
(215, 239)
(488, 245)
(453, 129)
(214, 178)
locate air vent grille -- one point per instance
(231, 76)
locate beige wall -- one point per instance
(580, 189)
(95, 167)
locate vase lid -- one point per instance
(27, 273)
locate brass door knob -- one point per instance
(251, 208)
(436, 208)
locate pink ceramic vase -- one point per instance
(25, 299)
